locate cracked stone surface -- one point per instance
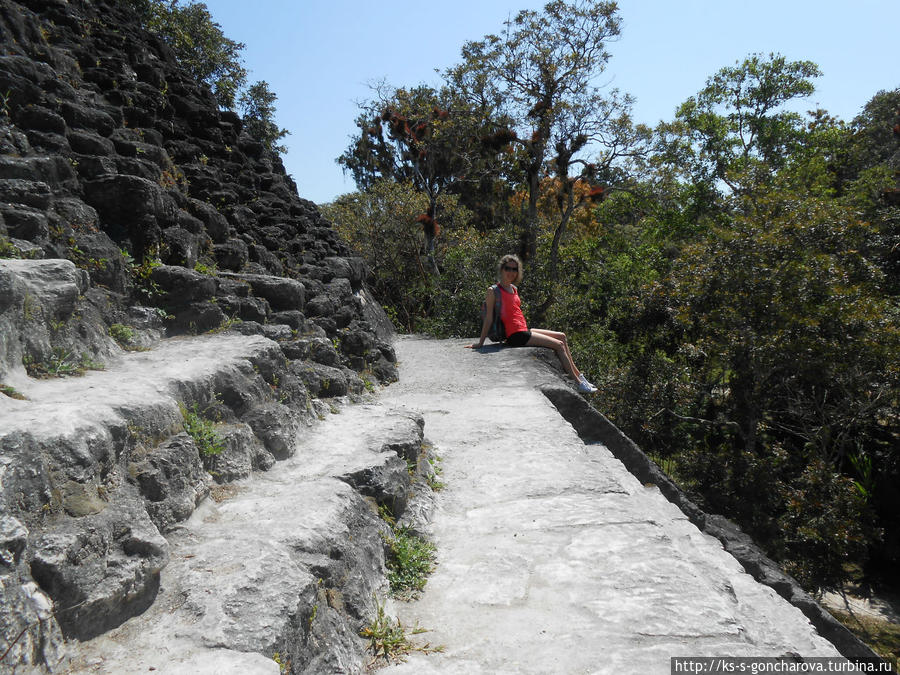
(552, 557)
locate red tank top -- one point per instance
(511, 311)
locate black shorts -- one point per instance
(519, 339)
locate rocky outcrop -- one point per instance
(285, 565)
(113, 158)
(101, 481)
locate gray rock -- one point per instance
(36, 298)
(102, 569)
(321, 305)
(280, 292)
(172, 480)
(296, 349)
(25, 192)
(321, 380)
(321, 350)
(352, 269)
(357, 342)
(24, 222)
(276, 426)
(13, 539)
(28, 619)
(231, 255)
(180, 286)
(183, 247)
(404, 435)
(387, 482)
(293, 318)
(278, 331)
(242, 453)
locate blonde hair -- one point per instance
(506, 259)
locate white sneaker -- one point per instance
(584, 386)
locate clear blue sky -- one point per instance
(320, 56)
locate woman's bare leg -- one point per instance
(541, 338)
(561, 337)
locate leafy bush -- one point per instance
(122, 334)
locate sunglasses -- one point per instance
(506, 268)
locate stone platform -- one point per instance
(552, 557)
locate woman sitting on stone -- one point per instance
(517, 332)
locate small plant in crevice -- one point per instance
(284, 663)
(433, 478)
(60, 363)
(227, 323)
(202, 430)
(389, 639)
(142, 274)
(410, 559)
(11, 392)
(209, 269)
(8, 249)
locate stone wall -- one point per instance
(113, 157)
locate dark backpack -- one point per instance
(497, 332)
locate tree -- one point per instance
(790, 374)
(258, 107)
(541, 74)
(877, 132)
(199, 45)
(379, 224)
(432, 139)
(735, 131)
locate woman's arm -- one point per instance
(488, 316)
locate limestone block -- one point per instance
(242, 452)
(280, 292)
(172, 479)
(103, 569)
(181, 286)
(357, 342)
(290, 317)
(276, 426)
(85, 117)
(25, 192)
(321, 350)
(386, 481)
(321, 380)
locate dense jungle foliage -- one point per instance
(729, 279)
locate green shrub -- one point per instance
(122, 334)
(202, 430)
(410, 560)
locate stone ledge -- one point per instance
(593, 427)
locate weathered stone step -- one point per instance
(288, 563)
(93, 469)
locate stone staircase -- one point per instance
(100, 487)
